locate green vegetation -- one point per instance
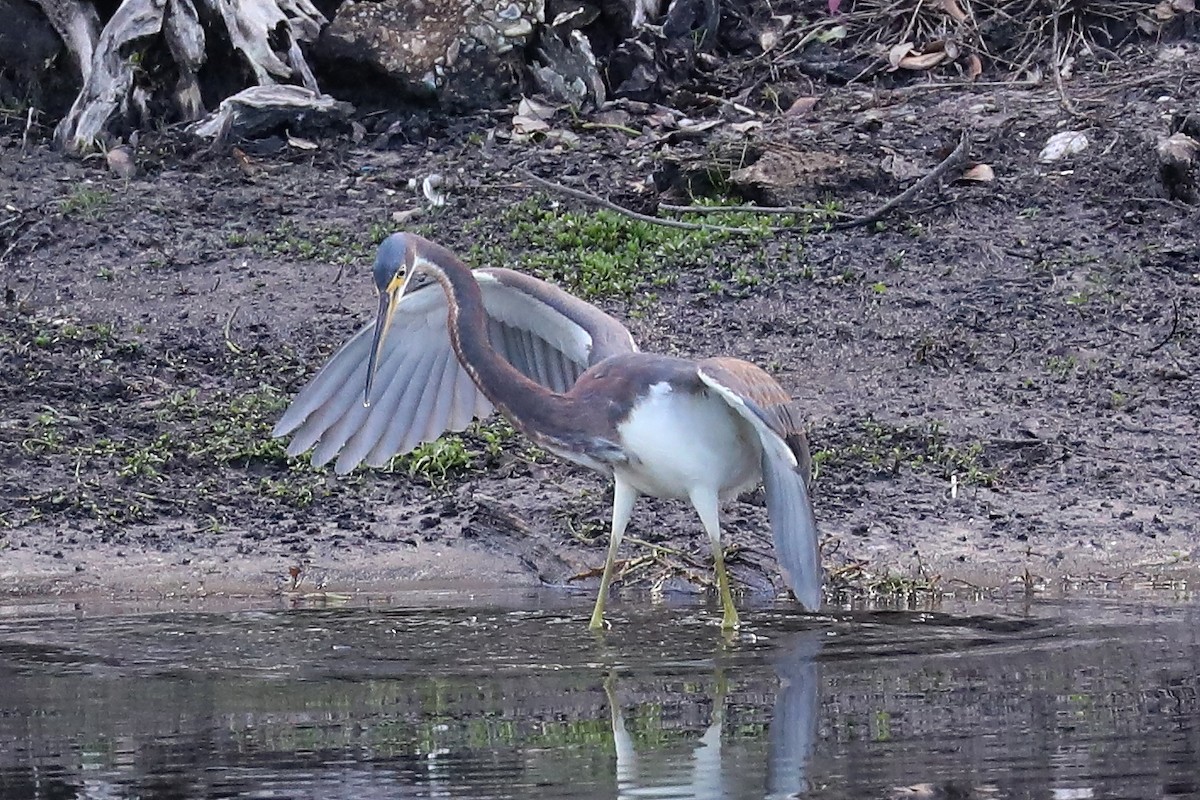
(331, 244)
(85, 202)
(878, 448)
(133, 449)
(597, 254)
(1062, 367)
(436, 461)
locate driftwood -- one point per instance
(113, 93)
(78, 25)
(262, 109)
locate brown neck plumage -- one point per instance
(538, 412)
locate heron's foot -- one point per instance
(729, 620)
(597, 623)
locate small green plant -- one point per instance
(1062, 367)
(882, 448)
(330, 244)
(47, 437)
(148, 459)
(438, 460)
(495, 434)
(378, 231)
(234, 427)
(745, 279)
(85, 202)
(290, 492)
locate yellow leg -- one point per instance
(729, 620)
(623, 497)
(707, 506)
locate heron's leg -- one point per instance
(623, 497)
(707, 505)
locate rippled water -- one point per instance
(466, 698)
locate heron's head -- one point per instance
(392, 271)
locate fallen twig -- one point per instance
(28, 129)
(955, 159)
(1058, 59)
(1170, 334)
(229, 342)
(675, 209)
(588, 197)
(612, 126)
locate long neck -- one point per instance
(535, 409)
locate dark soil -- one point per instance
(1001, 378)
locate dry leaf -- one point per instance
(300, 144)
(1184, 6)
(952, 10)
(982, 173)
(897, 53)
(528, 107)
(1163, 11)
(431, 187)
(1063, 144)
(244, 163)
(527, 126)
(747, 126)
(974, 67)
(689, 129)
(801, 106)
(926, 61)
(834, 34)
(1147, 26)
(120, 161)
(404, 217)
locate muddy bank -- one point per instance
(1001, 381)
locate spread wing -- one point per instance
(421, 390)
(786, 468)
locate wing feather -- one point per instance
(403, 420)
(365, 425)
(438, 401)
(423, 391)
(755, 396)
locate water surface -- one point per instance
(474, 697)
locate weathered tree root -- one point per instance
(112, 94)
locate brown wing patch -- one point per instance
(778, 409)
(752, 383)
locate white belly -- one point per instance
(679, 441)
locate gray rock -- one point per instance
(464, 53)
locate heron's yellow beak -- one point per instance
(388, 300)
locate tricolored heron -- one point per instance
(442, 352)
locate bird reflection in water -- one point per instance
(791, 735)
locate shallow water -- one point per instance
(466, 697)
